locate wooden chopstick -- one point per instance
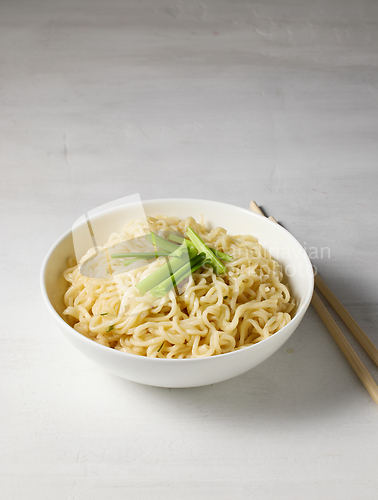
(353, 326)
(255, 208)
(357, 331)
(335, 331)
(346, 348)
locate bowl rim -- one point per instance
(126, 355)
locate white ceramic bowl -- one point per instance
(187, 372)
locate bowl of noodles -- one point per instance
(238, 285)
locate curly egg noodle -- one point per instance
(212, 314)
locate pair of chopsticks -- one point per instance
(335, 331)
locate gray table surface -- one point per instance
(222, 100)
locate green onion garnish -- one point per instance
(139, 255)
(161, 242)
(180, 239)
(194, 266)
(183, 272)
(181, 256)
(218, 253)
(201, 246)
(110, 328)
(103, 314)
(160, 348)
(181, 261)
(128, 262)
(221, 255)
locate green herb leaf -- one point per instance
(110, 328)
(160, 348)
(103, 314)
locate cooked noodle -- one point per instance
(212, 314)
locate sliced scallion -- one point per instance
(180, 239)
(218, 253)
(128, 262)
(165, 286)
(159, 242)
(201, 246)
(180, 256)
(139, 255)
